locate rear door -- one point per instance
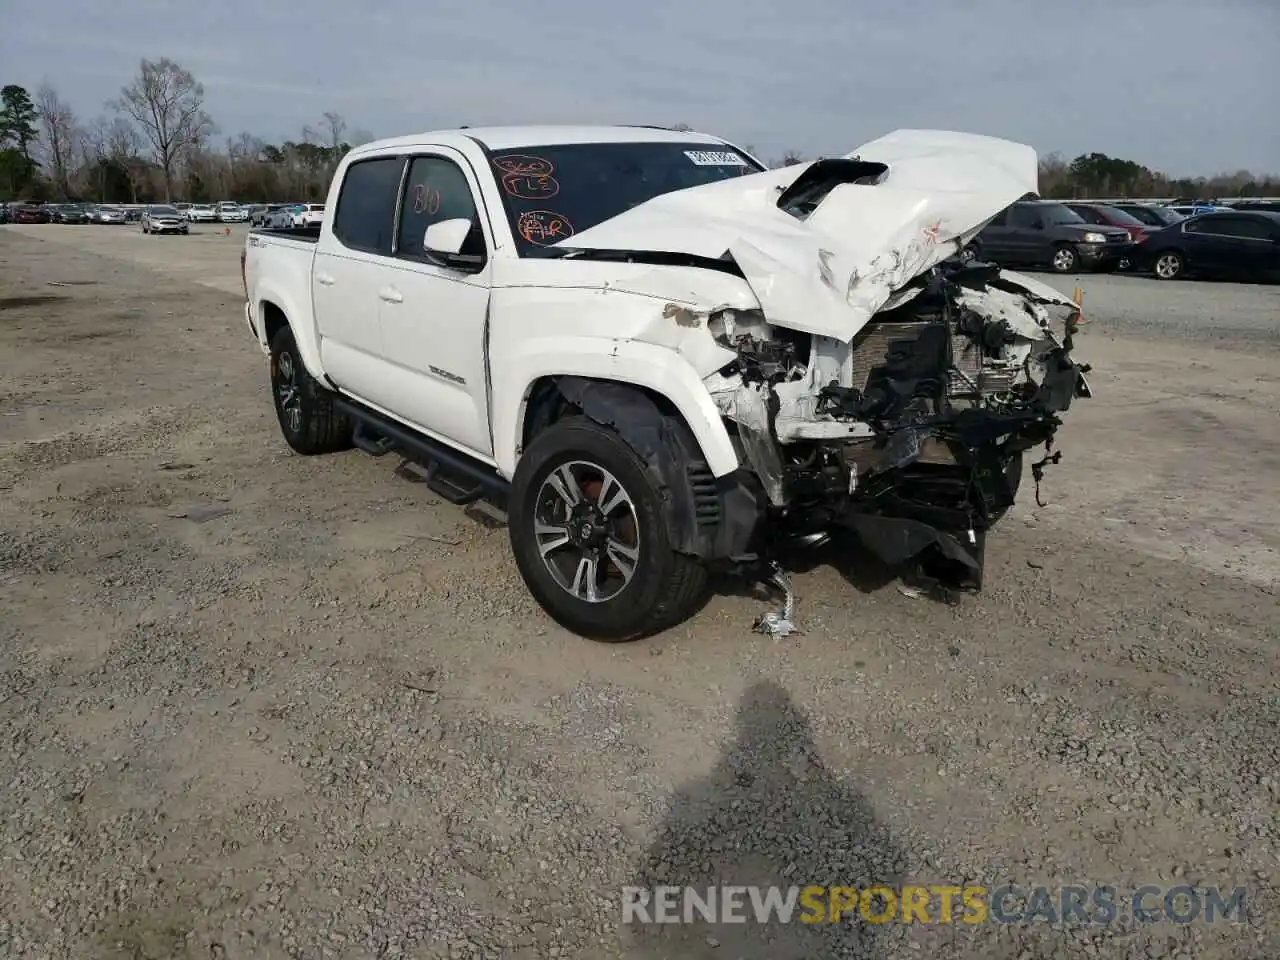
(351, 264)
(1028, 237)
(995, 240)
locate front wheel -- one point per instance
(1169, 265)
(308, 419)
(590, 540)
(1064, 259)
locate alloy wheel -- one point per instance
(1168, 266)
(587, 531)
(287, 391)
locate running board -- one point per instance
(450, 474)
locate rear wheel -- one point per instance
(590, 540)
(1169, 265)
(305, 409)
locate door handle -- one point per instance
(324, 280)
(390, 295)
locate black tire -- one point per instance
(316, 427)
(665, 587)
(1169, 265)
(1064, 259)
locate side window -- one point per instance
(1244, 227)
(366, 211)
(1001, 219)
(1022, 216)
(1198, 225)
(436, 190)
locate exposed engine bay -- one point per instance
(913, 433)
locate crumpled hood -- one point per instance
(829, 273)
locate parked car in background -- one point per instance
(1149, 214)
(29, 213)
(1106, 215)
(108, 214)
(298, 215)
(70, 213)
(1195, 209)
(1046, 233)
(164, 218)
(1262, 206)
(202, 213)
(257, 213)
(231, 213)
(1241, 245)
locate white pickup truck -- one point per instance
(665, 358)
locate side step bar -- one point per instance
(449, 474)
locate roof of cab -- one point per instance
(508, 138)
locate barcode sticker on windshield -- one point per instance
(707, 158)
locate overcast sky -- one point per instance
(1184, 86)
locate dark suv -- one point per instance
(1044, 233)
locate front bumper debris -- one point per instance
(912, 437)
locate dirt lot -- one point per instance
(258, 705)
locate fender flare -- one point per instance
(308, 348)
(630, 362)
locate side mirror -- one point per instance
(443, 242)
(446, 238)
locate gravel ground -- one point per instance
(258, 705)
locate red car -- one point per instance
(28, 213)
(1107, 215)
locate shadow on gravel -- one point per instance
(770, 814)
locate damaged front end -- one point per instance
(913, 433)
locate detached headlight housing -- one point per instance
(1092, 237)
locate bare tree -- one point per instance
(58, 136)
(123, 146)
(167, 104)
(95, 157)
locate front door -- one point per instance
(434, 317)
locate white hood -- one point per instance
(828, 274)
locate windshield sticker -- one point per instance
(426, 199)
(527, 178)
(524, 164)
(527, 186)
(543, 227)
(710, 158)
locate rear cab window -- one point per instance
(366, 210)
(550, 193)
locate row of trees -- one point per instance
(155, 141)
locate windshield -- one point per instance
(1168, 215)
(551, 193)
(1058, 213)
(164, 211)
